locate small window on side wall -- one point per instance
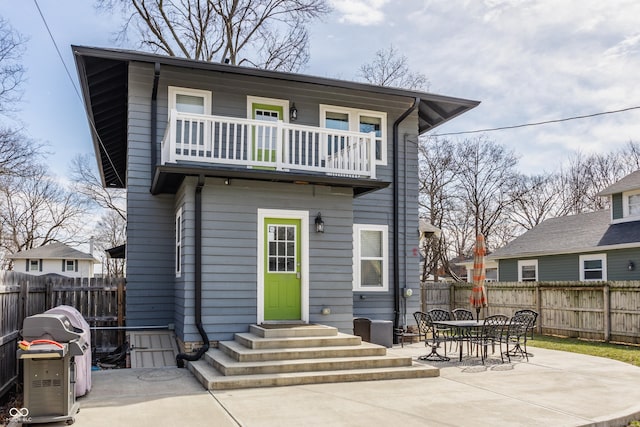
(593, 267)
(370, 264)
(179, 242)
(528, 270)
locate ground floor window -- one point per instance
(593, 267)
(179, 243)
(370, 264)
(527, 270)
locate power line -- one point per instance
(93, 126)
(546, 122)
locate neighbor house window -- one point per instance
(34, 265)
(370, 258)
(354, 120)
(593, 267)
(528, 270)
(179, 243)
(69, 265)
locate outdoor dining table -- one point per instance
(462, 330)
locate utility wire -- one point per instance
(546, 122)
(93, 126)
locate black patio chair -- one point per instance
(516, 334)
(463, 314)
(535, 319)
(431, 337)
(491, 333)
(446, 334)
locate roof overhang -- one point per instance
(103, 75)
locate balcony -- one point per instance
(267, 146)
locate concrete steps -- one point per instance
(280, 355)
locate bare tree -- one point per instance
(485, 179)
(36, 211)
(390, 68)
(87, 183)
(267, 34)
(11, 69)
(110, 233)
(536, 198)
(18, 154)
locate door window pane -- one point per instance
(282, 250)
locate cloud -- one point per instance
(360, 12)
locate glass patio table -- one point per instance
(462, 330)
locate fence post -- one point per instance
(606, 295)
(452, 296)
(24, 302)
(539, 308)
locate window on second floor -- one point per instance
(34, 265)
(354, 120)
(528, 270)
(593, 267)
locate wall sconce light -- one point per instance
(319, 224)
(631, 266)
(293, 112)
(325, 311)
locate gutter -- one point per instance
(396, 216)
(154, 119)
(198, 280)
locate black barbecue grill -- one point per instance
(50, 344)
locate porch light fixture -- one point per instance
(631, 266)
(319, 224)
(293, 112)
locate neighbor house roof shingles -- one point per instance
(570, 234)
(52, 251)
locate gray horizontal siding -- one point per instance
(230, 253)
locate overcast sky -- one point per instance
(526, 61)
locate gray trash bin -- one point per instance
(374, 331)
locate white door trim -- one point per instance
(303, 216)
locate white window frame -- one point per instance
(354, 115)
(357, 229)
(593, 257)
(179, 234)
(268, 101)
(37, 261)
(527, 263)
(73, 264)
(176, 90)
(626, 215)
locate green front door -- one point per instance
(282, 282)
(264, 137)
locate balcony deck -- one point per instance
(196, 144)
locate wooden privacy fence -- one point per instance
(101, 302)
(607, 311)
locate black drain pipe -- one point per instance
(154, 119)
(198, 279)
(396, 217)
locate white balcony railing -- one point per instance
(267, 145)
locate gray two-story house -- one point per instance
(256, 196)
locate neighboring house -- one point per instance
(258, 196)
(603, 245)
(490, 268)
(55, 258)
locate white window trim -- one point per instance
(357, 228)
(626, 216)
(179, 234)
(354, 123)
(176, 90)
(593, 257)
(527, 263)
(37, 266)
(268, 101)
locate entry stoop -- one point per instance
(281, 355)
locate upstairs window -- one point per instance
(593, 267)
(354, 120)
(34, 265)
(69, 265)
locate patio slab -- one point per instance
(553, 388)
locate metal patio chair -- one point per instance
(491, 333)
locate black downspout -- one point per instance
(396, 218)
(154, 120)
(198, 280)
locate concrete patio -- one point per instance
(552, 389)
